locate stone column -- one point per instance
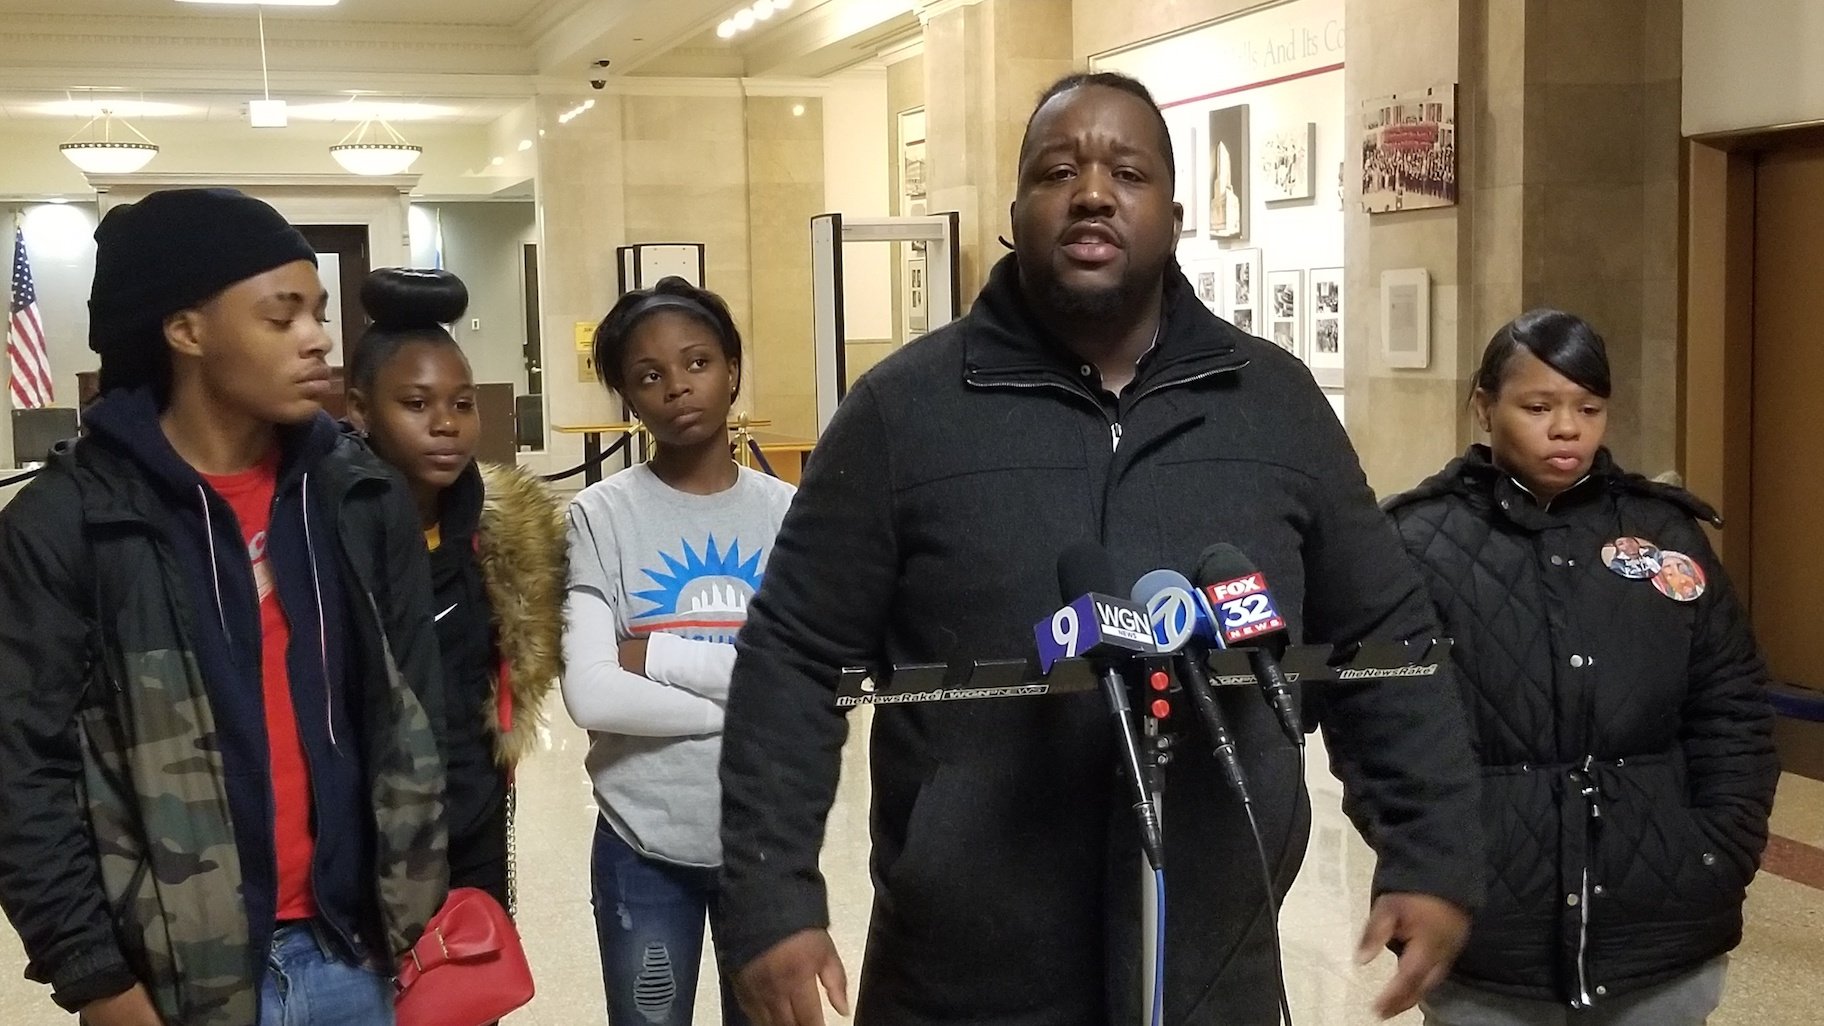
(582, 217)
(785, 190)
(986, 62)
(1405, 423)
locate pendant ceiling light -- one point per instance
(107, 155)
(373, 148)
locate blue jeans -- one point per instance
(649, 920)
(309, 983)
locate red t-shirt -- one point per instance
(250, 495)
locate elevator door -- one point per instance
(1787, 512)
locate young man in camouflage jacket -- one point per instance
(224, 794)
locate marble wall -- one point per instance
(738, 172)
(784, 191)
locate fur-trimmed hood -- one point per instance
(524, 566)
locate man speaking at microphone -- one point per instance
(1087, 395)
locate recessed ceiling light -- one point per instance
(497, 161)
(797, 110)
(749, 16)
(524, 145)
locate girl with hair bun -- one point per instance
(496, 547)
(664, 558)
(1616, 702)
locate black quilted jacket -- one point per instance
(1625, 739)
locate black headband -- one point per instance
(659, 300)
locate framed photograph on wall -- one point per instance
(1285, 301)
(914, 311)
(912, 155)
(1186, 186)
(1285, 163)
(1409, 151)
(1206, 281)
(1242, 290)
(1406, 318)
(1324, 310)
(1229, 167)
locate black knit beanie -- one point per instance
(172, 251)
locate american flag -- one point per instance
(28, 363)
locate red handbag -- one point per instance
(469, 968)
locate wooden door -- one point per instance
(1786, 529)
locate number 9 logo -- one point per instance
(1065, 630)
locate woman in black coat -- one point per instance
(1615, 697)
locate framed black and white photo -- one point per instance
(1206, 280)
(1242, 290)
(1285, 301)
(1324, 352)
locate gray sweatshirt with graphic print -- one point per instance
(648, 561)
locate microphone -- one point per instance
(1184, 626)
(1096, 624)
(1245, 616)
(1114, 630)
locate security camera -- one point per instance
(598, 83)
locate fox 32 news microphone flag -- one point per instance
(28, 361)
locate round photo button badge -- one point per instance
(1637, 559)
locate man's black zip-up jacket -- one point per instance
(928, 528)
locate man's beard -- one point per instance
(1097, 305)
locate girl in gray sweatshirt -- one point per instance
(664, 557)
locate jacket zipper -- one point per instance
(215, 575)
(1592, 796)
(1114, 423)
(1583, 941)
(316, 581)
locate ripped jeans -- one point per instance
(649, 920)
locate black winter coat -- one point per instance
(928, 528)
(1626, 743)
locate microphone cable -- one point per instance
(1159, 961)
(1266, 876)
(1272, 907)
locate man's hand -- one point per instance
(132, 1008)
(1431, 931)
(633, 656)
(780, 987)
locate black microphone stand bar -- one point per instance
(914, 683)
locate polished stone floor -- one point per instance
(1776, 979)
